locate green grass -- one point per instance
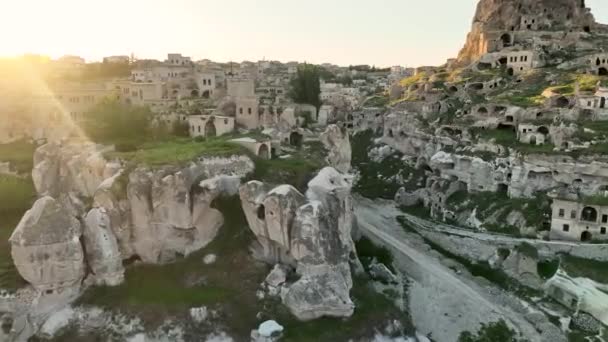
(477, 269)
(178, 151)
(19, 154)
(153, 292)
(376, 179)
(294, 171)
(407, 82)
(547, 268)
(493, 332)
(373, 310)
(367, 251)
(585, 268)
(534, 210)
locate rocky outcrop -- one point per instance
(170, 208)
(497, 23)
(155, 214)
(312, 233)
(75, 167)
(46, 247)
(337, 142)
(103, 255)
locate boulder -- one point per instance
(382, 273)
(46, 247)
(337, 142)
(268, 331)
(277, 276)
(103, 255)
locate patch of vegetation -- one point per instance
(20, 155)
(409, 81)
(306, 86)
(418, 210)
(584, 268)
(534, 210)
(296, 170)
(155, 292)
(373, 310)
(547, 268)
(526, 93)
(380, 179)
(377, 101)
(483, 270)
(368, 251)
(16, 197)
(493, 332)
(527, 250)
(179, 151)
(111, 122)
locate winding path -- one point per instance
(442, 301)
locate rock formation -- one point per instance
(311, 232)
(103, 255)
(337, 142)
(46, 247)
(502, 23)
(76, 167)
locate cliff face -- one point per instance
(499, 23)
(154, 214)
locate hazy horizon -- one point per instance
(400, 32)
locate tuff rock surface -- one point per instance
(46, 247)
(312, 233)
(103, 255)
(337, 142)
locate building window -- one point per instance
(573, 214)
(566, 227)
(241, 110)
(603, 230)
(249, 110)
(604, 218)
(199, 129)
(562, 212)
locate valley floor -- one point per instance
(443, 301)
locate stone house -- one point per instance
(532, 134)
(262, 149)
(210, 125)
(577, 219)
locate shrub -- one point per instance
(367, 251)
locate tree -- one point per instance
(306, 86)
(112, 121)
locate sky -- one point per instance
(344, 32)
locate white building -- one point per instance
(578, 219)
(210, 125)
(178, 60)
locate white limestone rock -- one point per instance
(268, 331)
(311, 232)
(200, 314)
(170, 207)
(103, 255)
(77, 167)
(277, 276)
(337, 142)
(209, 259)
(46, 247)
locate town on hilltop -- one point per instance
(182, 200)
